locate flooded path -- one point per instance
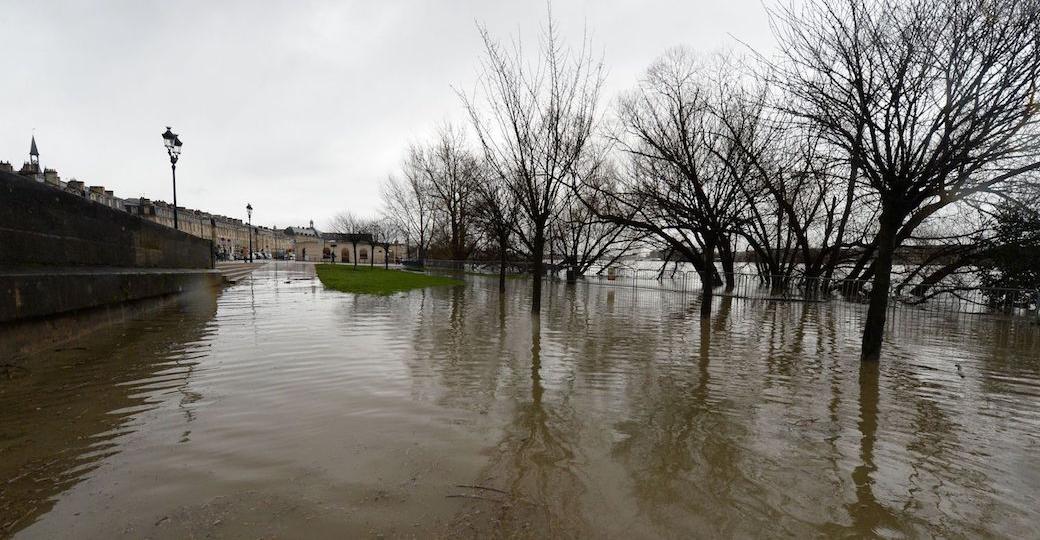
(280, 409)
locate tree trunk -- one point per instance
(502, 265)
(850, 194)
(538, 269)
(355, 254)
(708, 280)
(727, 258)
(874, 330)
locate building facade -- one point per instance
(230, 236)
(310, 244)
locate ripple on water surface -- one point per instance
(281, 407)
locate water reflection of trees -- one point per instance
(460, 339)
(683, 452)
(536, 458)
(74, 405)
(759, 419)
(868, 514)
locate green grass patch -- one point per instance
(374, 280)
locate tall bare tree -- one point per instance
(450, 171)
(406, 202)
(495, 215)
(933, 101)
(580, 233)
(685, 185)
(534, 122)
(797, 212)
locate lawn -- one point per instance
(372, 280)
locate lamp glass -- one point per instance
(168, 138)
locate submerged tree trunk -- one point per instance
(708, 279)
(502, 266)
(538, 269)
(726, 257)
(874, 330)
(571, 270)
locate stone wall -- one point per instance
(70, 263)
(44, 226)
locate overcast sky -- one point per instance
(301, 108)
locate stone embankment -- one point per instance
(68, 265)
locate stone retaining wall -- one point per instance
(69, 264)
(43, 225)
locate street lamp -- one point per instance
(249, 212)
(173, 148)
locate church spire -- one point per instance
(34, 154)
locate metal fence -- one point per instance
(940, 298)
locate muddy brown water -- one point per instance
(280, 409)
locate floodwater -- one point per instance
(280, 409)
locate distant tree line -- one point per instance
(878, 125)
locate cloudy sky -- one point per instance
(301, 108)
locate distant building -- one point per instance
(310, 244)
(230, 236)
(32, 167)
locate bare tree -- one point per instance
(450, 171)
(686, 182)
(384, 234)
(933, 101)
(797, 211)
(373, 232)
(495, 215)
(406, 202)
(580, 235)
(534, 124)
(355, 227)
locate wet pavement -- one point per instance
(280, 409)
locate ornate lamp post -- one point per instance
(249, 212)
(173, 148)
